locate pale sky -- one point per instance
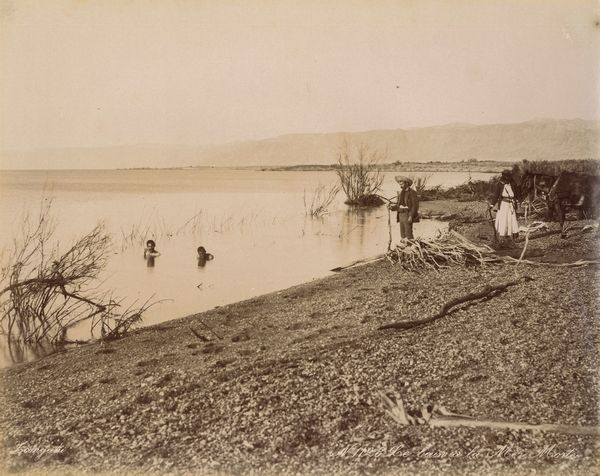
(116, 72)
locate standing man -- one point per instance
(505, 201)
(407, 207)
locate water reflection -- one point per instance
(254, 222)
(355, 219)
(15, 351)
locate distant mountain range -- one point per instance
(546, 139)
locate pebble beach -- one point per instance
(289, 382)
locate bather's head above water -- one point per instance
(150, 250)
(203, 256)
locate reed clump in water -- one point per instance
(320, 200)
(360, 177)
(156, 228)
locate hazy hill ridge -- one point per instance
(547, 139)
(538, 139)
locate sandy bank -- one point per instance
(289, 385)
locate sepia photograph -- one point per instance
(299, 237)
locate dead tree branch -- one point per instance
(435, 415)
(45, 292)
(487, 291)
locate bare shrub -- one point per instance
(44, 292)
(320, 200)
(420, 182)
(360, 177)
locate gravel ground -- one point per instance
(290, 388)
(454, 210)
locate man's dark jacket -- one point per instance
(408, 198)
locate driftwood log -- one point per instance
(505, 425)
(434, 415)
(487, 291)
(575, 264)
(358, 262)
(524, 248)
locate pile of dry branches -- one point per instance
(445, 250)
(454, 249)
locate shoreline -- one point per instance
(442, 210)
(291, 383)
(482, 166)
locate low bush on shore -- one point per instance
(420, 182)
(472, 190)
(554, 168)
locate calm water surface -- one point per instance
(253, 222)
